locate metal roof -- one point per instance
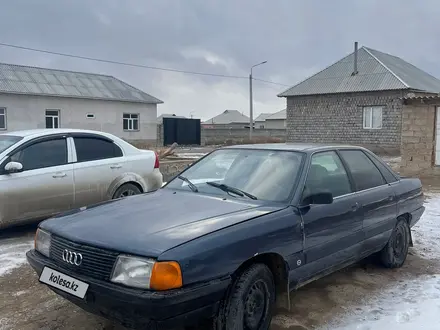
(263, 116)
(229, 117)
(278, 115)
(377, 71)
(18, 79)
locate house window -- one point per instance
(130, 122)
(2, 118)
(372, 117)
(52, 118)
(90, 116)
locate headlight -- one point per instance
(147, 273)
(42, 242)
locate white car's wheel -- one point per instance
(126, 190)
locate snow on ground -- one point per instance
(407, 299)
(408, 304)
(12, 253)
(191, 155)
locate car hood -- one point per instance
(152, 223)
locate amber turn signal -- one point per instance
(166, 275)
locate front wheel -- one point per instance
(393, 255)
(250, 303)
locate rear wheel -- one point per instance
(393, 255)
(250, 303)
(126, 190)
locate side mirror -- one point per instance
(13, 167)
(321, 197)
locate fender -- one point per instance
(124, 178)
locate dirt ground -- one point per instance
(26, 305)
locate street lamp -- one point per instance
(251, 102)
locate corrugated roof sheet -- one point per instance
(228, 117)
(278, 115)
(377, 71)
(263, 116)
(17, 79)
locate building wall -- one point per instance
(338, 118)
(223, 126)
(28, 112)
(260, 124)
(241, 135)
(418, 140)
(275, 124)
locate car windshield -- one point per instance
(7, 141)
(257, 174)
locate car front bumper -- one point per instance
(136, 308)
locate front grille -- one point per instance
(97, 263)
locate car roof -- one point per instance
(49, 131)
(303, 147)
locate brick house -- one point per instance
(420, 149)
(358, 100)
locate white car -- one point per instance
(47, 171)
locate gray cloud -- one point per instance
(297, 38)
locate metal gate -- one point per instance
(183, 131)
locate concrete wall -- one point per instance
(221, 136)
(338, 118)
(225, 126)
(275, 124)
(238, 136)
(28, 112)
(418, 140)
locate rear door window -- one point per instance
(365, 174)
(386, 172)
(89, 149)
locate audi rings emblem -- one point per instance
(73, 258)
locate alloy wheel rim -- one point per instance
(127, 193)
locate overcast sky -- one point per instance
(297, 38)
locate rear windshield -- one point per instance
(7, 141)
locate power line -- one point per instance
(131, 64)
(269, 82)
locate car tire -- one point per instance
(250, 302)
(126, 190)
(393, 255)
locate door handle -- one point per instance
(59, 175)
(115, 166)
(355, 207)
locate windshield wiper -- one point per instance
(191, 185)
(230, 189)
